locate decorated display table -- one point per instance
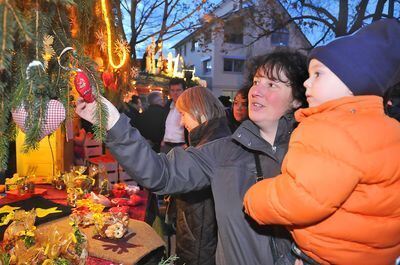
(137, 212)
(138, 246)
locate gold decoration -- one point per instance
(124, 53)
(134, 72)
(48, 51)
(121, 47)
(8, 209)
(44, 212)
(101, 40)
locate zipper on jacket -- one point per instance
(273, 148)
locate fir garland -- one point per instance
(24, 25)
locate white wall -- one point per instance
(228, 82)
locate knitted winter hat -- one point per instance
(368, 61)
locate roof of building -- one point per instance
(189, 36)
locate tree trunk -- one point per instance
(132, 42)
(361, 8)
(391, 9)
(163, 25)
(117, 5)
(341, 28)
(379, 10)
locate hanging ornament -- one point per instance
(48, 51)
(124, 53)
(81, 80)
(134, 72)
(101, 40)
(108, 78)
(55, 115)
(109, 81)
(121, 47)
(82, 85)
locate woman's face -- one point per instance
(188, 121)
(269, 99)
(240, 112)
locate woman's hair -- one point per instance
(243, 92)
(292, 63)
(201, 104)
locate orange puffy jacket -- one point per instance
(339, 191)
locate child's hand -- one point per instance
(298, 262)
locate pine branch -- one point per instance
(7, 130)
(7, 38)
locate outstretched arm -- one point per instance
(178, 172)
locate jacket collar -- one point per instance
(355, 104)
(209, 131)
(248, 134)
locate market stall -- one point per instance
(96, 217)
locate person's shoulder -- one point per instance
(225, 148)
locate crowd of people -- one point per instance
(303, 169)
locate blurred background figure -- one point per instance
(151, 123)
(133, 109)
(226, 101)
(239, 111)
(174, 132)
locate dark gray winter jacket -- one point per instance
(196, 225)
(226, 164)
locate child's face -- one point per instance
(269, 99)
(323, 85)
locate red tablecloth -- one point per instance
(137, 212)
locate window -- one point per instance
(233, 31)
(207, 67)
(195, 45)
(207, 36)
(233, 65)
(184, 49)
(188, 72)
(280, 37)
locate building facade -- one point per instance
(219, 52)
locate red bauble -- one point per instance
(82, 85)
(109, 81)
(108, 78)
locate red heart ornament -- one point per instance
(82, 85)
(55, 115)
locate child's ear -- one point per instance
(296, 104)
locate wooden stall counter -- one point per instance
(141, 239)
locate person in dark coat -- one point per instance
(133, 109)
(196, 229)
(151, 123)
(229, 165)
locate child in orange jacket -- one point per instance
(339, 191)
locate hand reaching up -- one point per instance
(87, 111)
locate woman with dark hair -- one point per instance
(239, 111)
(229, 165)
